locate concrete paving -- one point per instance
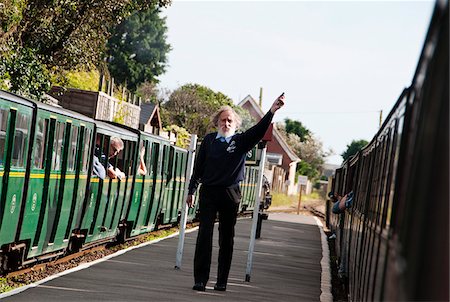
(289, 264)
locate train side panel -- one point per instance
(15, 129)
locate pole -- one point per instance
(381, 118)
(299, 200)
(184, 209)
(255, 211)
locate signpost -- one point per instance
(262, 160)
(250, 159)
(302, 181)
(251, 247)
(184, 209)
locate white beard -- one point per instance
(226, 134)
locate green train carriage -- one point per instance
(57, 179)
(107, 199)
(16, 115)
(45, 170)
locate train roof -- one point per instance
(63, 111)
(139, 132)
(16, 98)
(36, 104)
(113, 130)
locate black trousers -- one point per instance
(213, 200)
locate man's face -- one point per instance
(227, 124)
(114, 150)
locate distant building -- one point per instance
(329, 169)
(278, 154)
(150, 120)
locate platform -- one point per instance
(289, 264)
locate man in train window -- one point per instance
(340, 203)
(115, 146)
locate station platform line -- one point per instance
(290, 263)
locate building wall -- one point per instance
(273, 146)
(283, 177)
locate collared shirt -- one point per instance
(222, 138)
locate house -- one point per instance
(282, 161)
(150, 119)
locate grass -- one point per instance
(5, 285)
(284, 200)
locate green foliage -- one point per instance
(191, 106)
(183, 135)
(308, 169)
(22, 72)
(52, 36)
(10, 14)
(353, 148)
(121, 113)
(296, 127)
(137, 49)
(85, 80)
(309, 150)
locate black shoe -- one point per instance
(220, 287)
(199, 286)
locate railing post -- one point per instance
(255, 211)
(184, 208)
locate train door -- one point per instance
(139, 200)
(146, 206)
(167, 186)
(127, 163)
(106, 203)
(47, 181)
(83, 155)
(154, 182)
(100, 189)
(14, 140)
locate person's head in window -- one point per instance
(116, 145)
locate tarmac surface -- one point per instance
(290, 263)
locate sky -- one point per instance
(339, 63)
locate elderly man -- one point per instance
(115, 146)
(219, 166)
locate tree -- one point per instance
(310, 151)
(191, 106)
(56, 35)
(296, 127)
(247, 119)
(353, 148)
(148, 92)
(137, 49)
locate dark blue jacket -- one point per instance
(222, 164)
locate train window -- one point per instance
(20, 140)
(72, 150)
(129, 159)
(39, 145)
(87, 144)
(154, 159)
(58, 144)
(143, 157)
(3, 123)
